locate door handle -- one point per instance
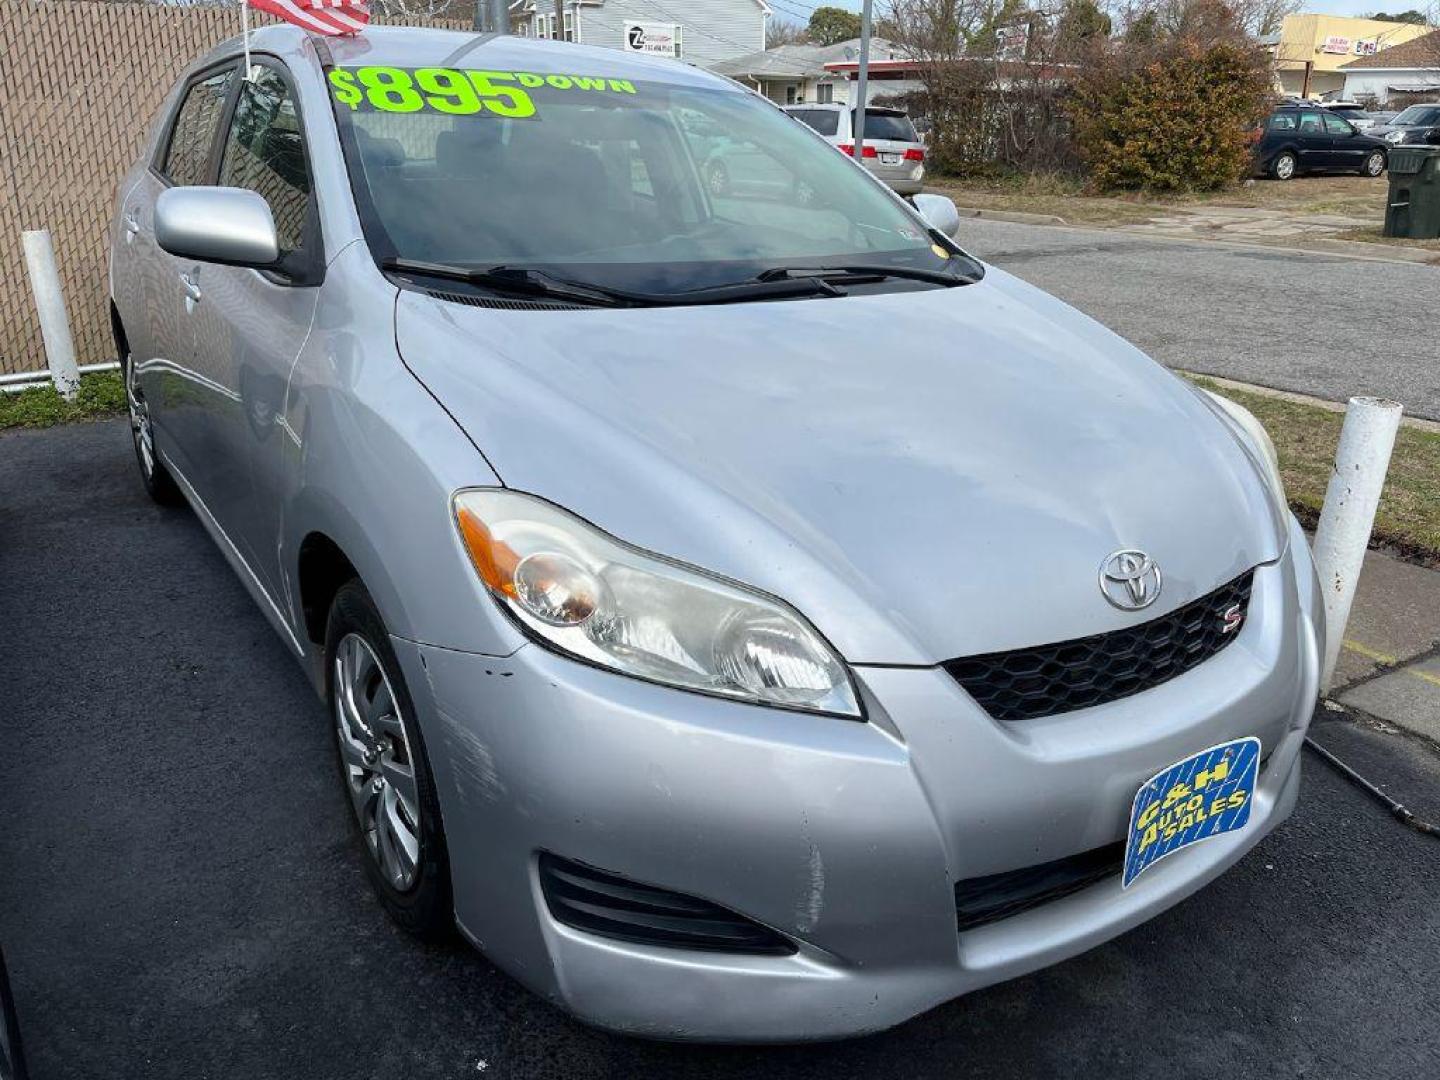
(132, 226)
(191, 287)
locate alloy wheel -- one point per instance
(378, 764)
(140, 429)
(1285, 167)
(1375, 164)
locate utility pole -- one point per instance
(859, 108)
(559, 20)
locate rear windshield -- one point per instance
(825, 121)
(889, 125)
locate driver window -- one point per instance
(265, 153)
(1334, 125)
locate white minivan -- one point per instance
(893, 150)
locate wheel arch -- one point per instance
(322, 568)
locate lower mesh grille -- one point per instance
(988, 899)
(615, 907)
(1047, 680)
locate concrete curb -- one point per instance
(1011, 215)
(1418, 422)
(1393, 252)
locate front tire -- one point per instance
(1284, 166)
(1374, 164)
(159, 484)
(384, 768)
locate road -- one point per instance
(1318, 324)
(180, 895)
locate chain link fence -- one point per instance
(79, 84)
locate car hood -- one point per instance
(925, 474)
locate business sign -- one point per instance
(1011, 41)
(1367, 48)
(1336, 44)
(660, 39)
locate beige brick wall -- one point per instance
(79, 82)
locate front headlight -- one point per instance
(580, 591)
(1395, 136)
(1255, 433)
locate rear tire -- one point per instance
(1374, 164)
(159, 484)
(1285, 166)
(384, 769)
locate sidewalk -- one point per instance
(1389, 666)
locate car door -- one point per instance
(1311, 142)
(157, 306)
(251, 324)
(1347, 149)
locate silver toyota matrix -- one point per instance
(742, 613)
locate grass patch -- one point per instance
(1067, 197)
(1305, 439)
(102, 393)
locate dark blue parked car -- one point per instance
(1309, 138)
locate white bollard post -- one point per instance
(1361, 461)
(50, 303)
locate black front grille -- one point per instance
(1069, 675)
(988, 899)
(615, 907)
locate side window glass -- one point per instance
(1310, 123)
(1334, 125)
(194, 132)
(265, 152)
(1282, 122)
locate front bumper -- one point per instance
(848, 837)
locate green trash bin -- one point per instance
(1414, 206)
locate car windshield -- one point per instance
(1417, 114)
(888, 125)
(635, 185)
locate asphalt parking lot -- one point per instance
(1330, 325)
(179, 896)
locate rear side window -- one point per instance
(194, 132)
(825, 121)
(1282, 122)
(885, 125)
(265, 153)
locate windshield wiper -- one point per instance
(526, 281)
(861, 274)
(515, 280)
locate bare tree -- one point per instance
(778, 32)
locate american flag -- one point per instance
(331, 17)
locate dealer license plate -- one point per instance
(1192, 800)
(890, 159)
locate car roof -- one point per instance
(408, 46)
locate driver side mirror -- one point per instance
(224, 225)
(939, 213)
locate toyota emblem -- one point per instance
(1130, 580)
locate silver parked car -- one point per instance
(893, 150)
(720, 676)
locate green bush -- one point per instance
(1177, 122)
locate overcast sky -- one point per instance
(799, 10)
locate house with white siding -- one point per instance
(1399, 76)
(701, 32)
